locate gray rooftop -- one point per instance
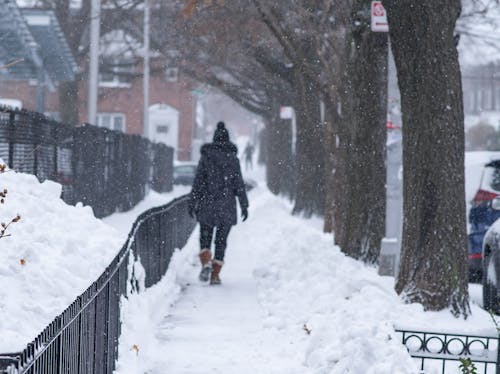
(35, 36)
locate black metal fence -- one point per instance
(84, 338)
(441, 352)
(105, 169)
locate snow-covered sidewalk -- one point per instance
(290, 302)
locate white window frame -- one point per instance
(486, 96)
(115, 82)
(172, 74)
(112, 116)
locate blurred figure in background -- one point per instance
(217, 183)
(248, 152)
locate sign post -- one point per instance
(379, 17)
(287, 112)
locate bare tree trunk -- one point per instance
(73, 26)
(433, 261)
(330, 168)
(363, 141)
(69, 102)
(279, 156)
(262, 146)
(310, 156)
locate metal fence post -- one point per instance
(12, 117)
(497, 366)
(35, 125)
(56, 137)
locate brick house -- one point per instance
(120, 105)
(172, 112)
(481, 88)
(171, 102)
(34, 56)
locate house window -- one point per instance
(116, 72)
(162, 129)
(172, 74)
(112, 121)
(486, 99)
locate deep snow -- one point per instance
(283, 278)
(53, 254)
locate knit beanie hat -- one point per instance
(221, 135)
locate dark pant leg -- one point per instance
(221, 241)
(206, 233)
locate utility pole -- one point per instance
(145, 79)
(95, 20)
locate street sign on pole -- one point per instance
(379, 17)
(286, 112)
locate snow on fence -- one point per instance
(84, 338)
(105, 169)
(441, 352)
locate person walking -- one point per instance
(248, 156)
(217, 183)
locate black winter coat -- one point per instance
(217, 183)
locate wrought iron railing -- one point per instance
(442, 352)
(84, 338)
(105, 169)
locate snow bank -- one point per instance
(350, 311)
(53, 254)
(123, 221)
(142, 313)
(341, 310)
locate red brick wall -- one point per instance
(26, 92)
(126, 100)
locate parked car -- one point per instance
(491, 265)
(184, 174)
(485, 210)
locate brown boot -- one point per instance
(206, 264)
(216, 266)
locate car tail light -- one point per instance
(483, 196)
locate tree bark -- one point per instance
(361, 172)
(262, 146)
(310, 155)
(331, 118)
(433, 267)
(279, 156)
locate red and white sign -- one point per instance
(286, 112)
(379, 17)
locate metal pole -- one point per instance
(294, 131)
(145, 79)
(391, 243)
(40, 90)
(95, 18)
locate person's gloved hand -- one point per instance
(244, 214)
(191, 212)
